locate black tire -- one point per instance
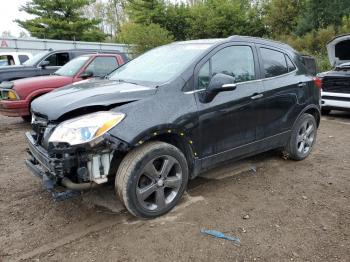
(325, 112)
(27, 119)
(146, 168)
(301, 141)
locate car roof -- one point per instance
(101, 54)
(16, 53)
(240, 38)
(85, 50)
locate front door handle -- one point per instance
(301, 84)
(257, 96)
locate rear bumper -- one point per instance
(338, 101)
(14, 108)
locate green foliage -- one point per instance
(321, 14)
(146, 11)
(282, 16)
(60, 19)
(143, 37)
(313, 43)
(177, 20)
(222, 18)
(203, 19)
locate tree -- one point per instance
(321, 14)
(281, 16)
(177, 20)
(143, 37)
(222, 18)
(61, 19)
(146, 11)
(111, 14)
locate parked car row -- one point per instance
(166, 116)
(16, 96)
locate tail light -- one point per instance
(318, 82)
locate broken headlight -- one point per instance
(86, 128)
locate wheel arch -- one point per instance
(170, 136)
(312, 110)
(179, 141)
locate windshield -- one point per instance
(160, 64)
(72, 67)
(35, 59)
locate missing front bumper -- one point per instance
(66, 175)
(58, 193)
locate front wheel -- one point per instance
(151, 179)
(303, 138)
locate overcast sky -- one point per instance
(9, 12)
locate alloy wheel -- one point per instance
(159, 183)
(306, 136)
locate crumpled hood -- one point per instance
(87, 94)
(339, 50)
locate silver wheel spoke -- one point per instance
(144, 193)
(160, 198)
(301, 147)
(309, 141)
(151, 171)
(173, 182)
(310, 130)
(167, 165)
(299, 138)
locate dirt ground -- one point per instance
(298, 211)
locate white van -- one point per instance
(13, 58)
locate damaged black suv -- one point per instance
(171, 113)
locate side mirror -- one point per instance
(86, 74)
(44, 64)
(218, 83)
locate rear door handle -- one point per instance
(301, 84)
(257, 96)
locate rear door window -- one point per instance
(274, 62)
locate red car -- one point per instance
(16, 96)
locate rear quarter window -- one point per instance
(290, 64)
(274, 62)
(23, 58)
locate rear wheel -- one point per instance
(303, 138)
(151, 179)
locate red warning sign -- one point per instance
(4, 43)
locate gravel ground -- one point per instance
(285, 211)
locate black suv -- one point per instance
(171, 113)
(45, 63)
